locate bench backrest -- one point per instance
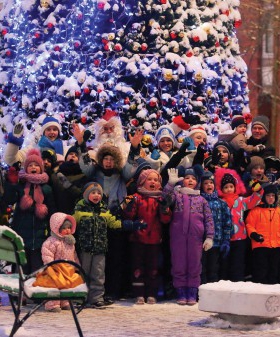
(11, 246)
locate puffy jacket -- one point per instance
(264, 221)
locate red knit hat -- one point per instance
(34, 155)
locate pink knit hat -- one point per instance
(34, 155)
(144, 175)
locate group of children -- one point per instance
(203, 203)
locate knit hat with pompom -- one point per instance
(34, 155)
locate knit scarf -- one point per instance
(147, 193)
(56, 145)
(26, 202)
(69, 239)
(230, 199)
(68, 168)
(186, 190)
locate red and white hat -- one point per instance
(195, 129)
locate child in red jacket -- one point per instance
(147, 205)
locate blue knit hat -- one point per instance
(50, 121)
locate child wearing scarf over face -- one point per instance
(34, 206)
(191, 231)
(147, 205)
(231, 189)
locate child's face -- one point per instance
(66, 228)
(47, 164)
(228, 188)
(165, 144)
(241, 129)
(51, 133)
(33, 168)
(108, 162)
(224, 154)
(270, 198)
(152, 182)
(199, 138)
(72, 157)
(257, 172)
(95, 197)
(190, 181)
(208, 186)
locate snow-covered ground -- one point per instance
(125, 319)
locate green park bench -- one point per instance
(19, 286)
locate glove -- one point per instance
(216, 156)
(12, 175)
(257, 237)
(190, 143)
(165, 203)
(207, 244)
(225, 248)
(259, 147)
(18, 130)
(155, 154)
(255, 185)
(129, 225)
(173, 176)
(199, 156)
(63, 180)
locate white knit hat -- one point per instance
(165, 131)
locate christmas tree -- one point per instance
(148, 60)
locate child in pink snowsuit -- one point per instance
(60, 245)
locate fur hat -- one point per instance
(50, 121)
(34, 155)
(72, 149)
(237, 120)
(220, 173)
(207, 175)
(110, 150)
(165, 131)
(255, 162)
(272, 162)
(261, 120)
(90, 187)
(49, 154)
(269, 188)
(196, 128)
(144, 175)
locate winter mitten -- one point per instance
(12, 175)
(155, 154)
(165, 203)
(190, 143)
(63, 180)
(257, 237)
(207, 244)
(255, 185)
(225, 248)
(259, 147)
(216, 156)
(199, 156)
(18, 130)
(173, 177)
(129, 225)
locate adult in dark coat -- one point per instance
(260, 129)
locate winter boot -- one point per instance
(191, 296)
(181, 295)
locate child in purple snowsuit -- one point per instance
(191, 231)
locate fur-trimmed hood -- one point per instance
(113, 151)
(239, 186)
